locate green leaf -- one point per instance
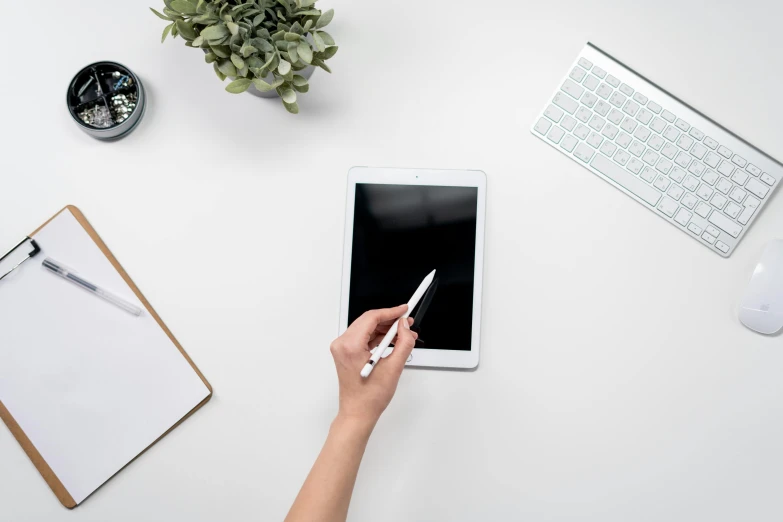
(261, 85)
(308, 24)
(172, 14)
(215, 32)
(263, 45)
(328, 40)
(207, 18)
(184, 7)
(305, 53)
(254, 62)
(284, 67)
(222, 51)
(306, 3)
(288, 95)
(186, 30)
(311, 12)
(277, 83)
(159, 15)
(319, 41)
(198, 41)
(293, 108)
(238, 62)
(291, 37)
(166, 31)
(259, 18)
(320, 63)
(292, 53)
(324, 19)
(234, 28)
(227, 68)
(328, 53)
(302, 88)
(239, 85)
(299, 80)
(210, 57)
(217, 71)
(297, 28)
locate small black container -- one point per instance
(107, 100)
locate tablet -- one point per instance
(401, 225)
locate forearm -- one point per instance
(326, 494)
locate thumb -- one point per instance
(403, 346)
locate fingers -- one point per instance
(371, 319)
(406, 340)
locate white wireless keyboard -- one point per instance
(669, 157)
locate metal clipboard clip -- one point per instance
(36, 250)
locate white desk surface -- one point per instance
(615, 381)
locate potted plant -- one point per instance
(266, 47)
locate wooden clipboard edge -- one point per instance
(35, 457)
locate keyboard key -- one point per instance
(594, 140)
(602, 108)
(745, 215)
(565, 103)
(608, 148)
(685, 142)
(751, 202)
(725, 152)
(577, 74)
(553, 113)
(766, 178)
(675, 192)
(636, 148)
(683, 159)
(610, 131)
(723, 247)
(626, 89)
(757, 189)
(668, 207)
(709, 238)
(604, 91)
(628, 125)
(683, 217)
(710, 177)
(695, 229)
(738, 195)
(712, 159)
(587, 64)
(696, 133)
(623, 140)
(725, 224)
(691, 183)
(568, 143)
(704, 192)
(678, 175)
(542, 127)
(568, 123)
(739, 160)
(581, 131)
(658, 125)
(669, 150)
(599, 72)
(648, 175)
(644, 116)
(703, 210)
(642, 133)
(654, 107)
(696, 168)
(556, 134)
(656, 142)
(753, 169)
(713, 231)
(614, 82)
(589, 99)
(711, 143)
(626, 180)
(683, 125)
(664, 166)
(668, 116)
(591, 82)
(718, 201)
(635, 166)
(724, 186)
(671, 133)
(597, 123)
(631, 108)
(584, 152)
(641, 98)
(689, 200)
(726, 168)
(621, 157)
(740, 177)
(650, 157)
(615, 116)
(617, 99)
(732, 210)
(698, 151)
(572, 89)
(583, 114)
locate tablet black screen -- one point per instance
(400, 234)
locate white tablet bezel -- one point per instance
(425, 357)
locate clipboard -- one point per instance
(47, 472)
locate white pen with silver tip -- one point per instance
(387, 339)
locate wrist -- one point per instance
(354, 426)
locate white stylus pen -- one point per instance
(57, 269)
(387, 339)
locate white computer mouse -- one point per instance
(762, 307)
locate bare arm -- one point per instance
(326, 494)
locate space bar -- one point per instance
(626, 180)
